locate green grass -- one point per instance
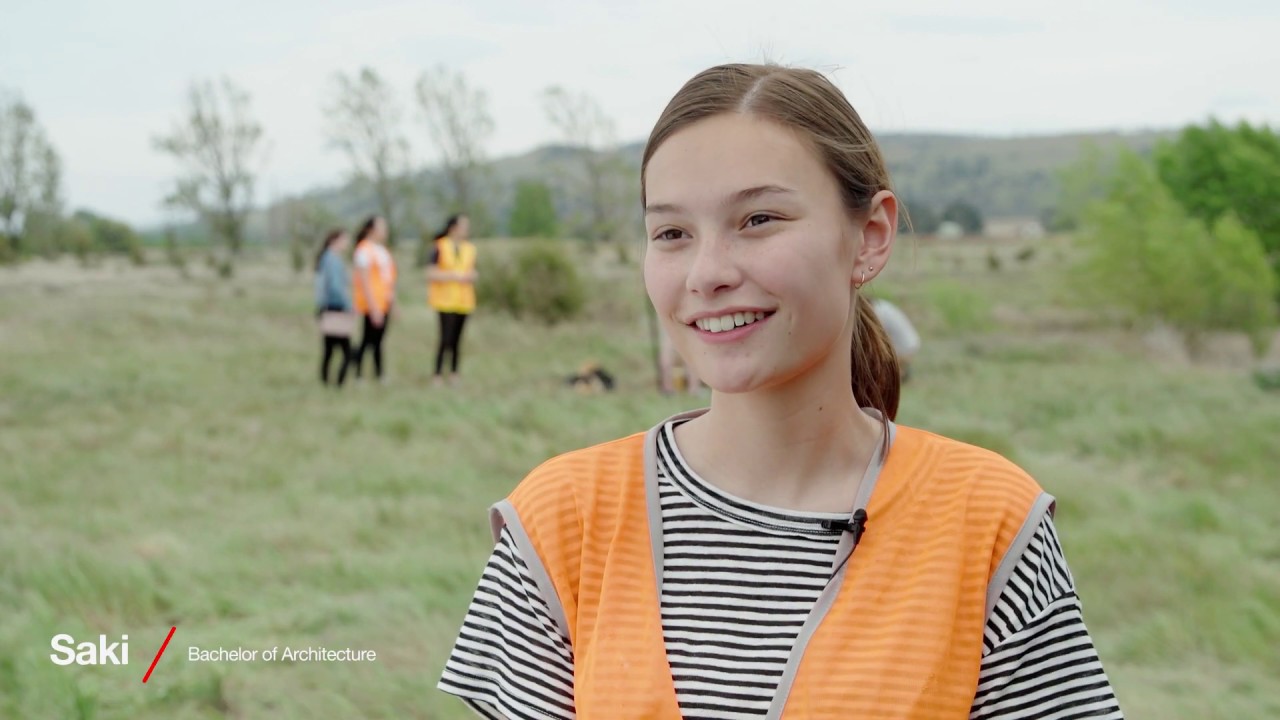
(170, 459)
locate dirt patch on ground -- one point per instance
(1272, 357)
(1166, 345)
(1230, 350)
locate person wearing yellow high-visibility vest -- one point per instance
(451, 289)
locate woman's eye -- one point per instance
(669, 234)
(758, 219)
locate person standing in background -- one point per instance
(451, 290)
(902, 334)
(668, 359)
(374, 289)
(333, 303)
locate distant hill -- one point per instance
(1003, 177)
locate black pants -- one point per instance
(343, 346)
(372, 340)
(450, 335)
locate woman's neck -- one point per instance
(803, 448)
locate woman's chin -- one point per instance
(741, 380)
(732, 383)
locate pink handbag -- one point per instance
(337, 324)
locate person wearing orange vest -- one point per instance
(451, 289)
(373, 290)
(790, 551)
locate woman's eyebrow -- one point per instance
(752, 193)
(740, 196)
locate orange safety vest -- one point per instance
(449, 296)
(896, 634)
(382, 280)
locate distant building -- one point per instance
(1014, 228)
(950, 230)
(1032, 230)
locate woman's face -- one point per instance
(340, 245)
(747, 230)
(380, 230)
(462, 228)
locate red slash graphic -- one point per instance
(158, 654)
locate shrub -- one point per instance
(542, 283)
(1267, 379)
(8, 250)
(496, 284)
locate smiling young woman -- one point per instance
(707, 567)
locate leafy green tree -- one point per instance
(534, 213)
(1054, 220)
(112, 236)
(45, 233)
(1216, 170)
(918, 218)
(1144, 254)
(30, 180)
(1242, 292)
(965, 215)
(75, 235)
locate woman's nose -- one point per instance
(713, 268)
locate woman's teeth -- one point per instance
(728, 322)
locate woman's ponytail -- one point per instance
(877, 379)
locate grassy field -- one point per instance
(167, 457)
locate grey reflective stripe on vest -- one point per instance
(829, 594)
(503, 514)
(1043, 504)
(653, 504)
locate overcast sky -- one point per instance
(104, 77)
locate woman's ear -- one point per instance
(879, 229)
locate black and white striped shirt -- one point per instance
(739, 580)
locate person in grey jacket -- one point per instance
(333, 302)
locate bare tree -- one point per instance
(216, 144)
(30, 173)
(602, 176)
(459, 124)
(306, 222)
(364, 122)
